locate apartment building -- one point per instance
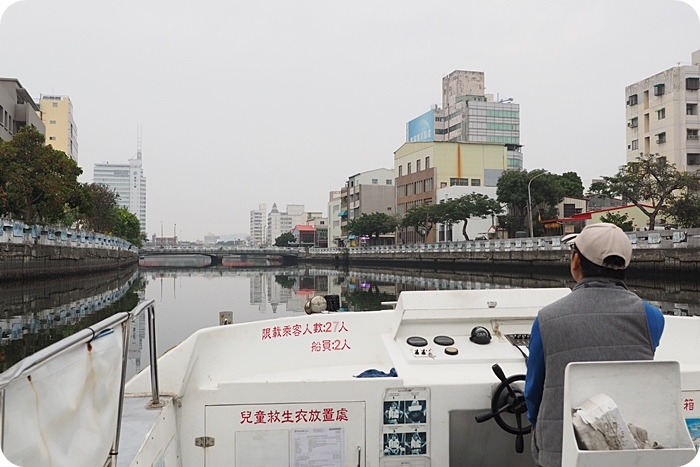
(128, 182)
(17, 109)
(423, 168)
(662, 116)
(258, 225)
(468, 114)
(366, 193)
(61, 130)
(334, 219)
(283, 222)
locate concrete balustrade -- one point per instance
(34, 251)
(655, 250)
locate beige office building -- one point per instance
(662, 116)
(423, 168)
(61, 131)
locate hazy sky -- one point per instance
(243, 103)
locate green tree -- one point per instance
(572, 184)
(685, 211)
(97, 205)
(465, 207)
(422, 218)
(650, 180)
(127, 226)
(372, 225)
(285, 239)
(37, 181)
(621, 220)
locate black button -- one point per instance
(416, 341)
(443, 340)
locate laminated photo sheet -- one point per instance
(406, 422)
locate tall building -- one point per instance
(17, 109)
(423, 168)
(283, 222)
(662, 116)
(470, 115)
(258, 225)
(128, 182)
(61, 131)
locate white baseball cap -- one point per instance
(598, 241)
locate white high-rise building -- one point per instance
(258, 225)
(283, 222)
(663, 118)
(128, 182)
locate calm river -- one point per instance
(35, 315)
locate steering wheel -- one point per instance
(508, 399)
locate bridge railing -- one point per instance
(216, 250)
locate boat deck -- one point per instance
(137, 423)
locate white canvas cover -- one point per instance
(65, 413)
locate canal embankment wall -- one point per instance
(39, 252)
(665, 252)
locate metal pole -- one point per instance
(2, 422)
(126, 334)
(155, 402)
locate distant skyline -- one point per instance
(280, 102)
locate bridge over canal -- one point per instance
(200, 256)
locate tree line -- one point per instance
(39, 185)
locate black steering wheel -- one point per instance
(509, 399)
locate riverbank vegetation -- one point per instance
(39, 185)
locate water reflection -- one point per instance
(35, 315)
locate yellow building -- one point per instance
(61, 131)
(423, 168)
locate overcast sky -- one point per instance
(242, 103)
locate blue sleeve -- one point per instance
(656, 323)
(534, 379)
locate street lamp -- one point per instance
(529, 202)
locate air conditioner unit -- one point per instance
(658, 141)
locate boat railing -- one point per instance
(84, 336)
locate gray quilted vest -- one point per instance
(599, 321)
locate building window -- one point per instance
(388, 181)
(443, 184)
(476, 182)
(635, 144)
(418, 165)
(427, 162)
(375, 181)
(52, 138)
(691, 109)
(693, 159)
(54, 104)
(692, 84)
(459, 182)
(52, 122)
(692, 134)
(632, 100)
(408, 169)
(661, 114)
(400, 171)
(634, 122)
(661, 137)
(659, 89)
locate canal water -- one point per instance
(34, 315)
